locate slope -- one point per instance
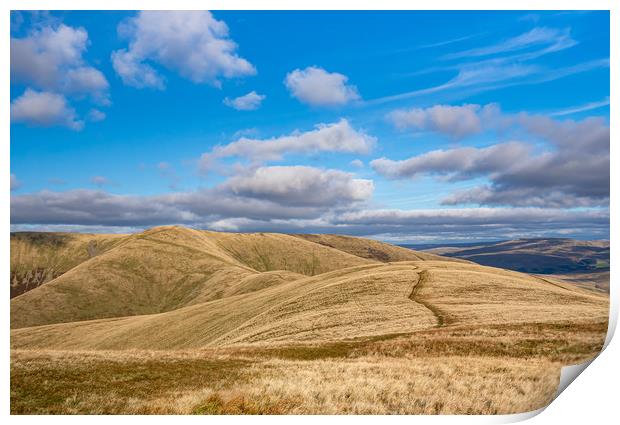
(553, 255)
(371, 249)
(37, 257)
(375, 300)
(166, 268)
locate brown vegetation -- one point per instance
(175, 320)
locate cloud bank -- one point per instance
(570, 169)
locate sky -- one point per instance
(409, 127)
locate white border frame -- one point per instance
(592, 398)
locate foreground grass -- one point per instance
(475, 370)
(138, 383)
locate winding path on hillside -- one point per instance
(441, 317)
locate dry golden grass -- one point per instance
(166, 268)
(374, 250)
(37, 258)
(487, 369)
(201, 322)
(126, 382)
(349, 303)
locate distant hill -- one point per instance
(370, 249)
(542, 256)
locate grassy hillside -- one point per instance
(535, 255)
(371, 249)
(174, 320)
(349, 303)
(166, 268)
(37, 258)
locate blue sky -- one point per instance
(404, 126)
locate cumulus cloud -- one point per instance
(248, 102)
(87, 80)
(15, 184)
(50, 58)
(192, 43)
(457, 164)
(317, 87)
(336, 137)
(303, 186)
(571, 171)
(135, 73)
(95, 115)
(44, 109)
(454, 121)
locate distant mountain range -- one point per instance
(543, 256)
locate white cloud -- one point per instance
(581, 108)
(504, 64)
(455, 121)
(301, 185)
(41, 58)
(50, 59)
(88, 80)
(95, 115)
(44, 109)
(15, 184)
(336, 137)
(192, 43)
(357, 163)
(135, 73)
(459, 163)
(555, 39)
(570, 170)
(248, 102)
(317, 87)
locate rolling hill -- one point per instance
(553, 255)
(291, 319)
(166, 268)
(37, 258)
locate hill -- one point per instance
(37, 257)
(175, 320)
(166, 268)
(371, 249)
(544, 256)
(353, 302)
